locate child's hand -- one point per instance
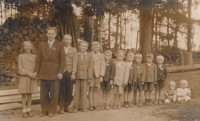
(34, 74)
(101, 79)
(73, 77)
(111, 82)
(124, 84)
(89, 80)
(142, 83)
(133, 83)
(155, 82)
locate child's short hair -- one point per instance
(120, 52)
(160, 57)
(184, 81)
(129, 53)
(149, 55)
(82, 41)
(67, 35)
(52, 28)
(172, 83)
(108, 52)
(95, 43)
(138, 55)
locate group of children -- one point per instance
(125, 76)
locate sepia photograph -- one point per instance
(99, 60)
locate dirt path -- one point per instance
(124, 114)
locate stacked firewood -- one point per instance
(12, 35)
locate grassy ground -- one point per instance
(188, 111)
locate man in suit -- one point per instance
(50, 68)
(98, 74)
(66, 84)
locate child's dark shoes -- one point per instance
(129, 104)
(91, 108)
(126, 105)
(25, 115)
(30, 114)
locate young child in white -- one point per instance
(27, 82)
(170, 93)
(183, 93)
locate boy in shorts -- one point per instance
(121, 73)
(161, 77)
(98, 74)
(151, 78)
(129, 87)
(107, 80)
(138, 78)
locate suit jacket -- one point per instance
(108, 71)
(120, 74)
(139, 69)
(71, 60)
(99, 64)
(151, 73)
(85, 67)
(50, 61)
(131, 72)
(161, 72)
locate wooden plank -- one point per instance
(11, 92)
(17, 98)
(176, 69)
(10, 106)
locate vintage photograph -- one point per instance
(99, 60)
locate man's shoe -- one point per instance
(51, 115)
(61, 110)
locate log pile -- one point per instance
(12, 34)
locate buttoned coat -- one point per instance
(85, 67)
(120, 74)
(131, 72)
(50, 61)
(99, 64)
(71, 60)
(161, 72)
(151, 72)
(135, 73)
(108, 72)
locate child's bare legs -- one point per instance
(150, 97)
(156, 96)
(104, 96)
(140, 99)
(129, 99)
(134, 97)
(108, 97)
(24, 103)
(126, 99)
(95, 97)
(115, 100)
(146, 97)
(119, 101)
(29, 104)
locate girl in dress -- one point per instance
(27, 82)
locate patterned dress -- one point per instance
(26, 65)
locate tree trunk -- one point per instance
(117, 32)
(88, 30)
(146, 15)
(121, 33)
(189, 36)
(175, 44)
(109, 22)
(168, 41)
(100, 23)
